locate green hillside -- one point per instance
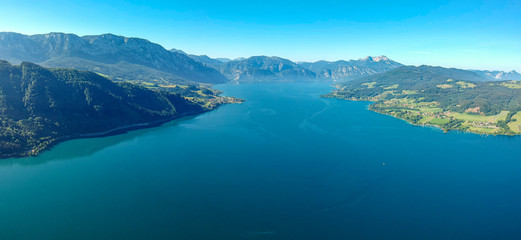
(441, 97)
(40, 106)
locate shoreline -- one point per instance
(132, 127)
(110, 132)
(38, 149)
(446, 130)
(421, 125)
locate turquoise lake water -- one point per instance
(285, 164)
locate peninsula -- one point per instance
(40, 107)
(451, 99)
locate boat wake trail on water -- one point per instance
(356, 201)
(367, 190)
(306, 123)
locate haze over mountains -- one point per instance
(352, 69)
(262, 68)
(139, 60)
(500, 75)
(115, 56)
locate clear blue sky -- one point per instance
(465, 34)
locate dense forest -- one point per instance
(40, 106)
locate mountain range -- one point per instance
(499, 75)
(262, 68)
(139, 60)
(119, 57)
(352, 69)
(89, 88)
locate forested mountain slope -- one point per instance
(40, 106)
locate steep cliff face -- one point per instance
(109, 51)
(352, 69)
(262, 68)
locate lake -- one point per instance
(285, 164)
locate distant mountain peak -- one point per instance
(376, 59)
(499, 75)
(177, 51)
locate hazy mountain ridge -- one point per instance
(263, 68)
(348, 70)
(500, 75)
(135, 59)
(337, 71)
(57, 50)
(417, 76)
(453, 73)
(211, 62)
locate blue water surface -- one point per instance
(286, 164)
